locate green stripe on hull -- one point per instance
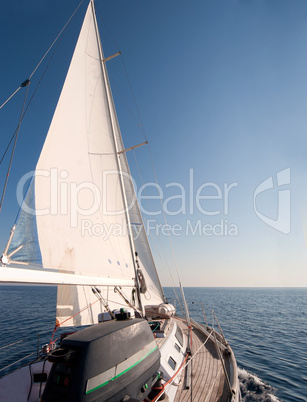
(123, 372)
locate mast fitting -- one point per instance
(131, 148)
(4, 260)
(111, 57)
(25, 83)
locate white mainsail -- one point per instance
(80, 224)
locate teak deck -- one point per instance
(208, 381)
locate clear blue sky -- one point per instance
(221, 88)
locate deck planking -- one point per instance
(208, 382)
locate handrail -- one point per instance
(206, 332)
(202, 305)
(17, 361)
(223, 364)
(14, 343)
(217, 321)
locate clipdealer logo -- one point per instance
(283, 221)
(84, 202)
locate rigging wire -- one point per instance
(50, 47)
(42, 59)
(14, 146)
(31, 99)
(142, 129)
(170, 241)
(125, 163)
(59, 324)
(7, 148)
(14, 343)
(25, 108)
(162, 248)
(25, 339)
(25, 357)
(10, 97)
(107, 28)
(139, 121)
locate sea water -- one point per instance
(267, 331)
(266, 328)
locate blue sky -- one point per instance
(221, 89)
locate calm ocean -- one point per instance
(266, 328)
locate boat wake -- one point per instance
(254, 389)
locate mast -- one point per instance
(113, 124)
(125, 162)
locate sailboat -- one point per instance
(134, 346)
